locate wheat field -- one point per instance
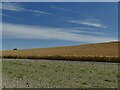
(88, 52)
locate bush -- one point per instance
(15, 49)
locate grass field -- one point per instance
(59, 74)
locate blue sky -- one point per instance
(60, 0)
(50, 24)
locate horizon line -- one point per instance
(63, 45)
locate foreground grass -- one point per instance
(60, 74)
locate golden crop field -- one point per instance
(87, 52)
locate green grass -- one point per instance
(59, 74)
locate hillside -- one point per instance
(98, 49)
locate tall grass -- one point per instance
(68, 57)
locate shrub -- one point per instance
(15, 49)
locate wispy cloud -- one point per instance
(35, 32)
(59, 8)
(17, 7)
(86, 32)
(38, 12)
(11, 6)
(89, 22)
(65, 9)
(1, 14)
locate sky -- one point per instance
(60, 0)
(49, 24)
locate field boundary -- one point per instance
(115, 59)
